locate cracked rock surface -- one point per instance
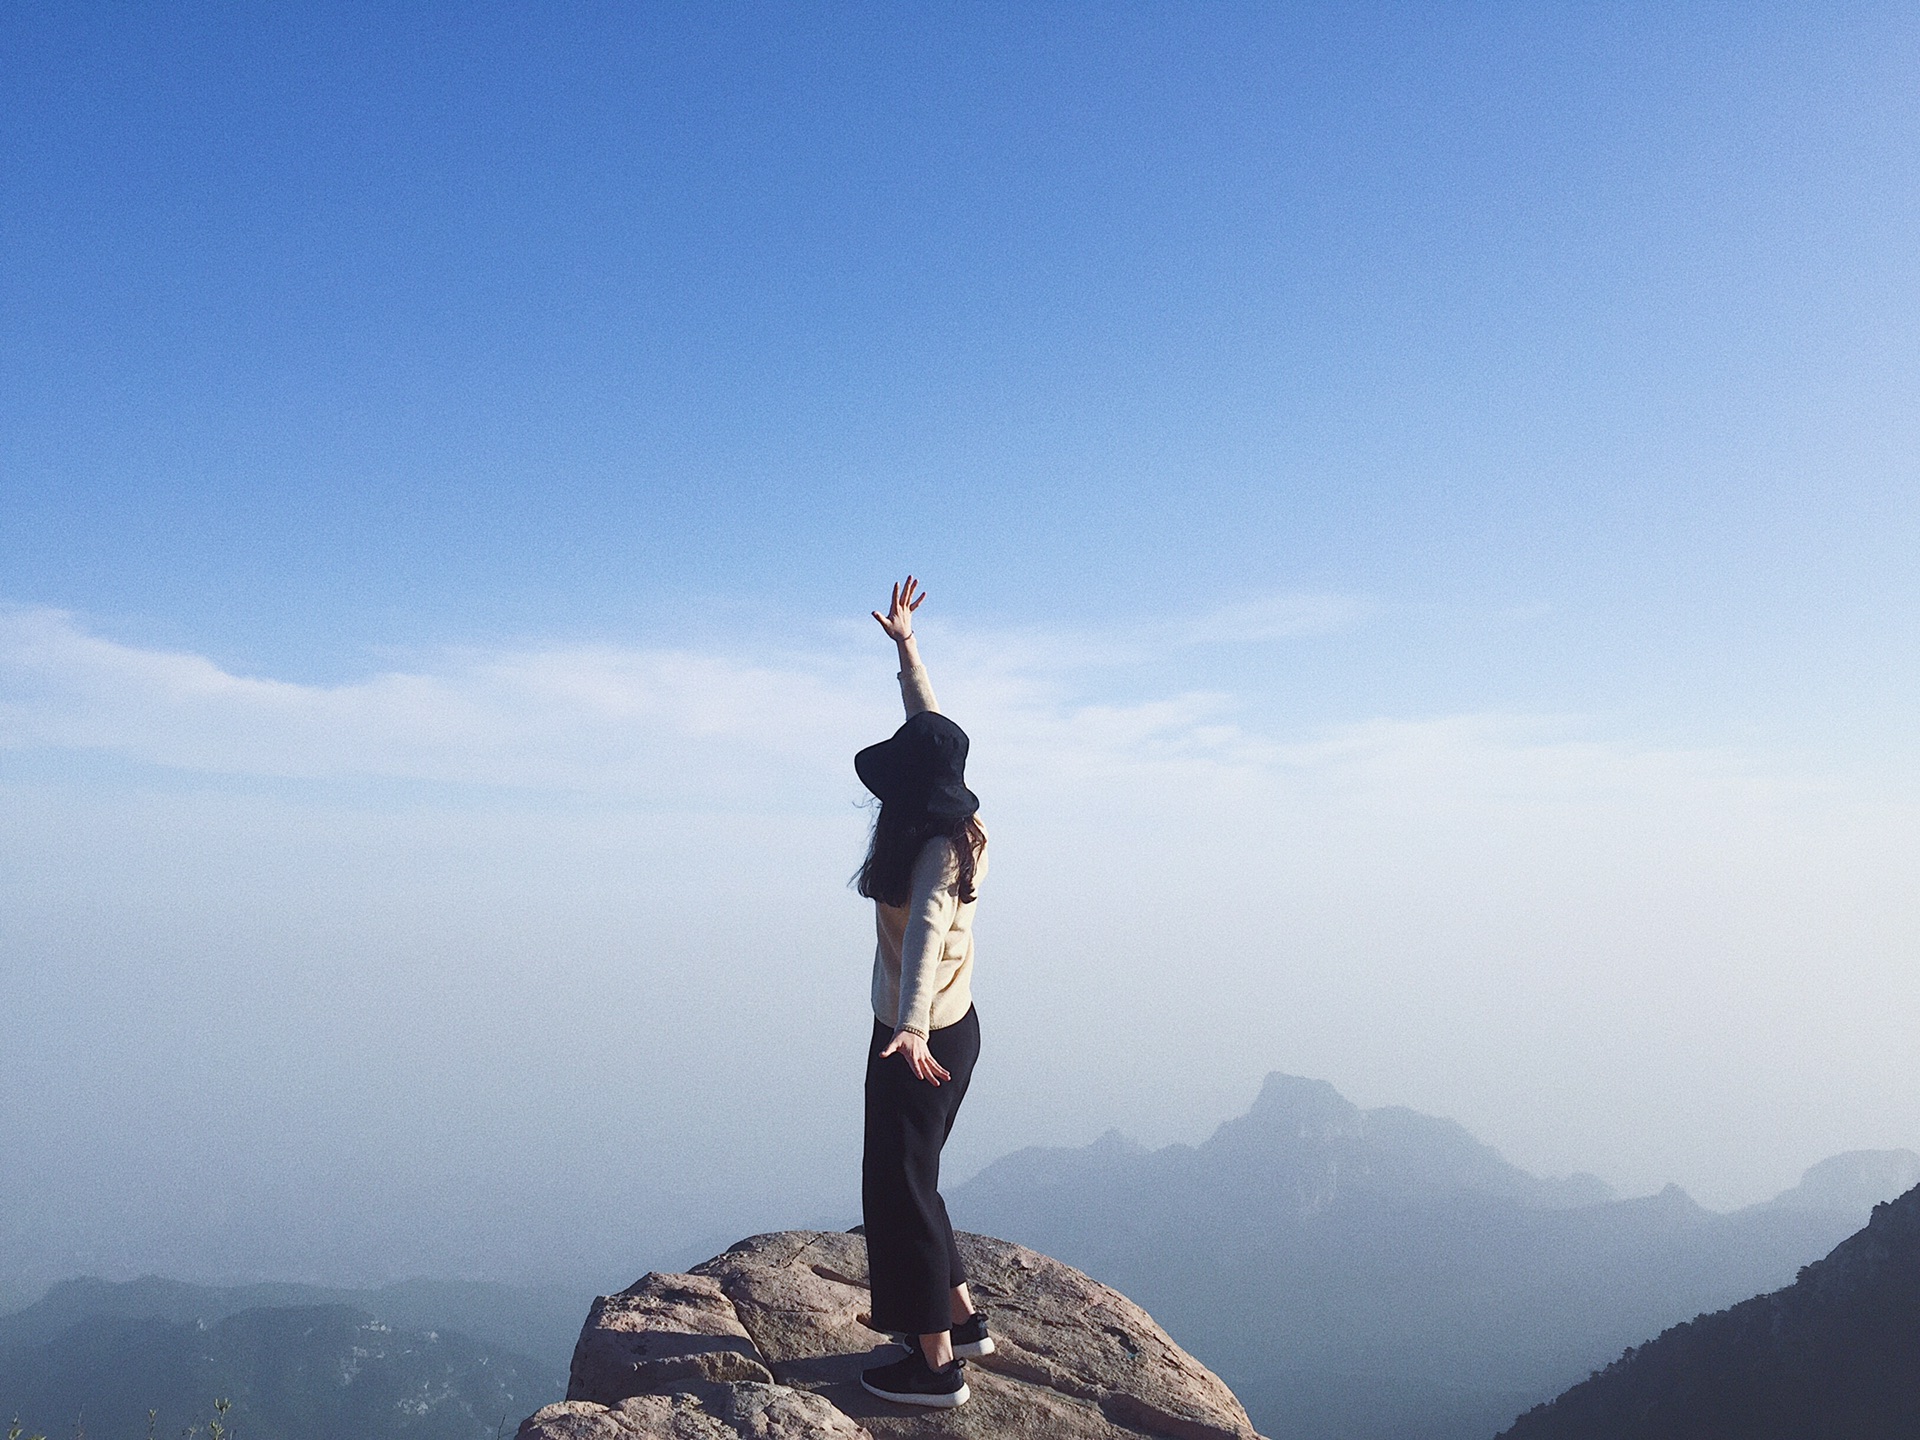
(768, 1341)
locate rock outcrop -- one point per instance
(769, 1339)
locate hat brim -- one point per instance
(897, 776)
(883, 769)
(951, 802)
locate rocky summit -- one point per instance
(769, 1339)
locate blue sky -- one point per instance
(411, 413)
(346, 327)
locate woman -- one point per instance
(923, 870)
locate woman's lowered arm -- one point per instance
(931, 907)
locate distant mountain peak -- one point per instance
(1305, 1108)
(1674, 1200)
(1329, 1147)
(1852, 1183)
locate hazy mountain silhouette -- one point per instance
(538, 1321)
(1834, 1356)
(1362, 1274)
(297, 1363)
(1854, 1182)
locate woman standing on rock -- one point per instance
(923, 870)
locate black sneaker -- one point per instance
(970, 1337)
(914, 1382)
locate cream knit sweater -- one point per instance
(923, 964)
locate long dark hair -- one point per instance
(899, 836)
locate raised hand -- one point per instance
(898, 621)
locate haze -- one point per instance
(1419, 512)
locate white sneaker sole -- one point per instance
(975, 1351)
(937, 1402)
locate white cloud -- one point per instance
(658, 724)
(1053, 649)
(662, 725)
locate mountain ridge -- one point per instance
(1383, 1273)
(298, 1361)
(292, 1372)
(538, 1321)
(1330, 1262)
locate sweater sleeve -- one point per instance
(932, 905)
(916, 691)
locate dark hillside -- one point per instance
(1834, 1356)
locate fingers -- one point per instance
(919, 1059)
(904, 599)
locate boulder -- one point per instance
(769, 1339)
(701, 1411)
(658, 1332)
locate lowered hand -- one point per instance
(919, 1059)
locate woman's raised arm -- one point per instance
(916, 692)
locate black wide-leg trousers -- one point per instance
(911, 1258)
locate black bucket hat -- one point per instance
(921, 767)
